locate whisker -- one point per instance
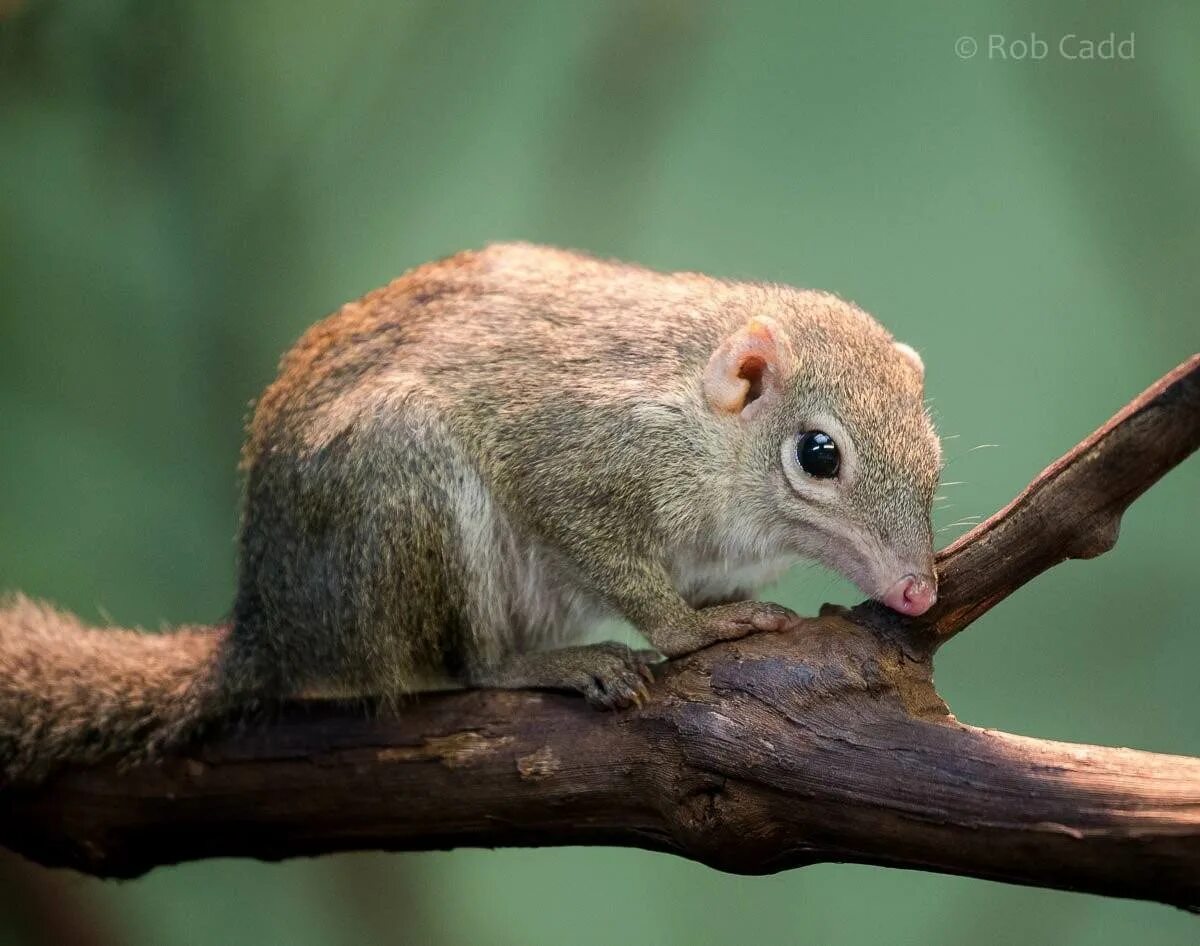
(950, 461)
(973, 521)
(957, 525)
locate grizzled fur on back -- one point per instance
(402, 468)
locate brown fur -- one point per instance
(96, 692)
(457, 474)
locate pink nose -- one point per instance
(911, 595)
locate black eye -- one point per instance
(818, 454)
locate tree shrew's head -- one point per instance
(838, 460)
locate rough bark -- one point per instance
(824, 743)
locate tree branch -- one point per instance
(1073, 508)
(824, 743)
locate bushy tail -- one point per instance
(72, 694)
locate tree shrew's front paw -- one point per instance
(726, 622)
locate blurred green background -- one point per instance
(185, 187)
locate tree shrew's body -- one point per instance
(452, 479)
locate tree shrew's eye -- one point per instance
(818, 454)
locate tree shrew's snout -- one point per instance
(911, 595)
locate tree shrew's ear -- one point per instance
(749, 368)
(911, 354)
